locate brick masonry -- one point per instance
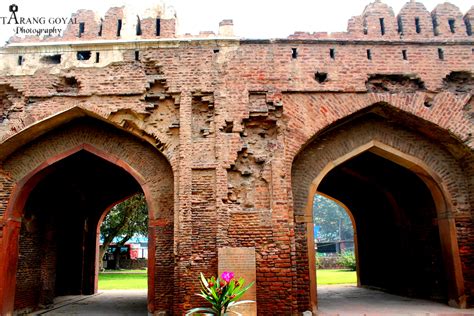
(228, 134)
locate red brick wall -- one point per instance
(29, 269)
(231, 123)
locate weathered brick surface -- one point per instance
(246, 128)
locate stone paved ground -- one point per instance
(333, 299)
(350, 300)
(110, 302)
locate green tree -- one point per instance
(125, 220)
(333, 220)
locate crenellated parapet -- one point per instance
(89, 26)
(378, 19)
(414, 22)
(469, 20)
(377, 22)
(448, 21)
(118, 23)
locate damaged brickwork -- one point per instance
(229, 139)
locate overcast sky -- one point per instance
(252, 18)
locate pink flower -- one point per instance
(227, 276)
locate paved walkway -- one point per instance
(351, 300)
(110, 302)
(333, 300)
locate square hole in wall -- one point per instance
(321, 77)
(51, 59)
(83, 55)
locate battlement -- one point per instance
(414, 22)
(124, 23)
(117, 23)
(377, 22)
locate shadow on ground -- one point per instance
(351, 300)
(109, 302)
(333, 300)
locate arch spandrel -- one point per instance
(19, 136)
(312, 115)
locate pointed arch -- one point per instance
(31, 132)
(29, 164)
(402, 146)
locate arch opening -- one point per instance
(123, 235)
(398, 237)
(371, 163)
(66, 182)
(57, 244)
(335, 238)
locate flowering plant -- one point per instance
(222, 293)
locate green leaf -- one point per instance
(241, 292)
(248, 287)
(214, 294)
(231, 286)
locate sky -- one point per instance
(252, 18)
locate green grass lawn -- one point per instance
(326, 277)
(123, 280)
(125, 271)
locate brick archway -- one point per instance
(28, 165)
(401, 146)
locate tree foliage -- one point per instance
(347, 260)
(331, 218)
(125, 220)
